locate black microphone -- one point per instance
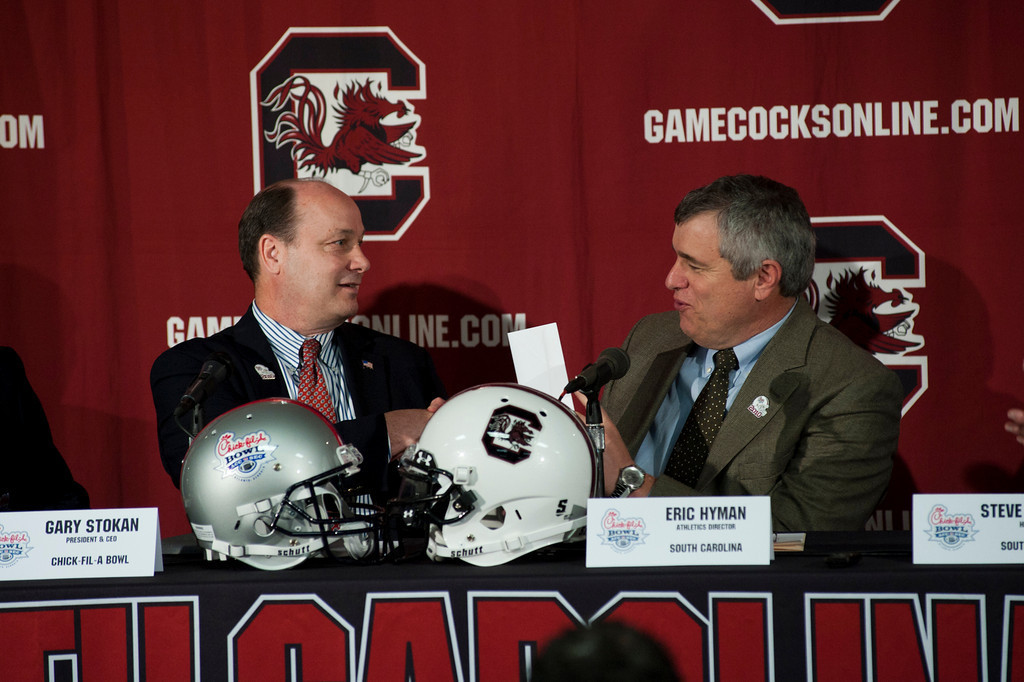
(611, 364)
(215, 370)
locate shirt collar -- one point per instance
(750, 350)
(747, 352)
(286, 343)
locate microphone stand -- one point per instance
(195, 424)
(595, 429)
(193, 429)
(197, 421)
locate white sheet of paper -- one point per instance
(537, 357)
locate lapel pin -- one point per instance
(759, 407)
(367, 364)
(265, 372)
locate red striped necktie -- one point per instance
(312, 387)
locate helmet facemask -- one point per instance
(322, 507)
(427, 496)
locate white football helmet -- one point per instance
(500, 470)
(268, 483)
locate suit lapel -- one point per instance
(258, 359)
(365, 372)
(770, 378)
(640, 413)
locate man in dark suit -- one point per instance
(301, 244)
(34, 475)
(811, 419)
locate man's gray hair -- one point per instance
(758, 219)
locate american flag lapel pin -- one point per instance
(367, 364)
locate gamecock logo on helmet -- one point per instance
(509, 433)
(864, 269)
(336, 104)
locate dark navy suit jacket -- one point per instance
(383, 373)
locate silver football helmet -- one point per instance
(269, 483)
(500, 470)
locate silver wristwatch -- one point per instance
(630, 479)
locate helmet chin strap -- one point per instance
(437, 549)
(357, 545)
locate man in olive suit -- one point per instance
(811, 420)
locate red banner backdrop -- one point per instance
(540, 149)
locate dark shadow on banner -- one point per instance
(467, 336)
(984, 458)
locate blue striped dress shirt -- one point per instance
(286, 344)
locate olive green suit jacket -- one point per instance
(822, 450)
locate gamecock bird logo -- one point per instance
(510, 433)
(853, 303)
(362, 137)
(865, 274)
(515, 432)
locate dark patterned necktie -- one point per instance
(312, 387)
(691, 449)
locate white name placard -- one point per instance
(88, 543)
(678, 531)
(968, 529)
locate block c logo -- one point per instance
(335, 103)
